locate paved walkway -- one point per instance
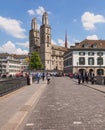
(100, 88)
(65, 105)
(15, 106)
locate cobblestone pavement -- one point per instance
(65, 105)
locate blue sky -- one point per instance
(81, 19)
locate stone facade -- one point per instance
(40, 41)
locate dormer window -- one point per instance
(85, 45)
(94, 45)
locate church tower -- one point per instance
(34, 37)
(45, 42)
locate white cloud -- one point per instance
(60, 42)
(92, 37)
(12, 27)
(25, 44)
(31, 12)
(40, 11)
(53, 42)
(10, 47)
(90, 19)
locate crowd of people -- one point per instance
(82, 76)
(85, 76)
(38, 76)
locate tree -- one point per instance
(35, 61)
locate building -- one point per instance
(87, 55)
(40, 41)
(12, 64)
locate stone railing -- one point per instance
(9, 85)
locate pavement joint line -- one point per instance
(34, 97)
(15, 121)
(18, 118)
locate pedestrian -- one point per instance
(48, 78)
(83, 76)
(28, 79)
(38, 77)
(86, 77)
(79, 76)
(92, 78)
(43, 76)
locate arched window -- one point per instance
(81, 61)
(100, 72)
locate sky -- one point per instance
(80, 19)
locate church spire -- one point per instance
(34, 25)
(45, 18)
(66, 44)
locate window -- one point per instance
(60, 53)
(94, 45)
(53, 53)
(85, 45)
(91, 61)
(81, 61)
(100, 72)
(90, 53)
(99, 53)
(99, 61)
(82, 53)
(48, 39)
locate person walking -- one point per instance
(38, 77)
(48, 78)
(92, 78)
(83, 76)
(79, 76)
(86, 76)
(43, 76)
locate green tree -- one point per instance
(35, 61)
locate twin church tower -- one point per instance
(40, 41)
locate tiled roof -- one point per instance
(13, 55)
(59, 47)
(96, 44)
